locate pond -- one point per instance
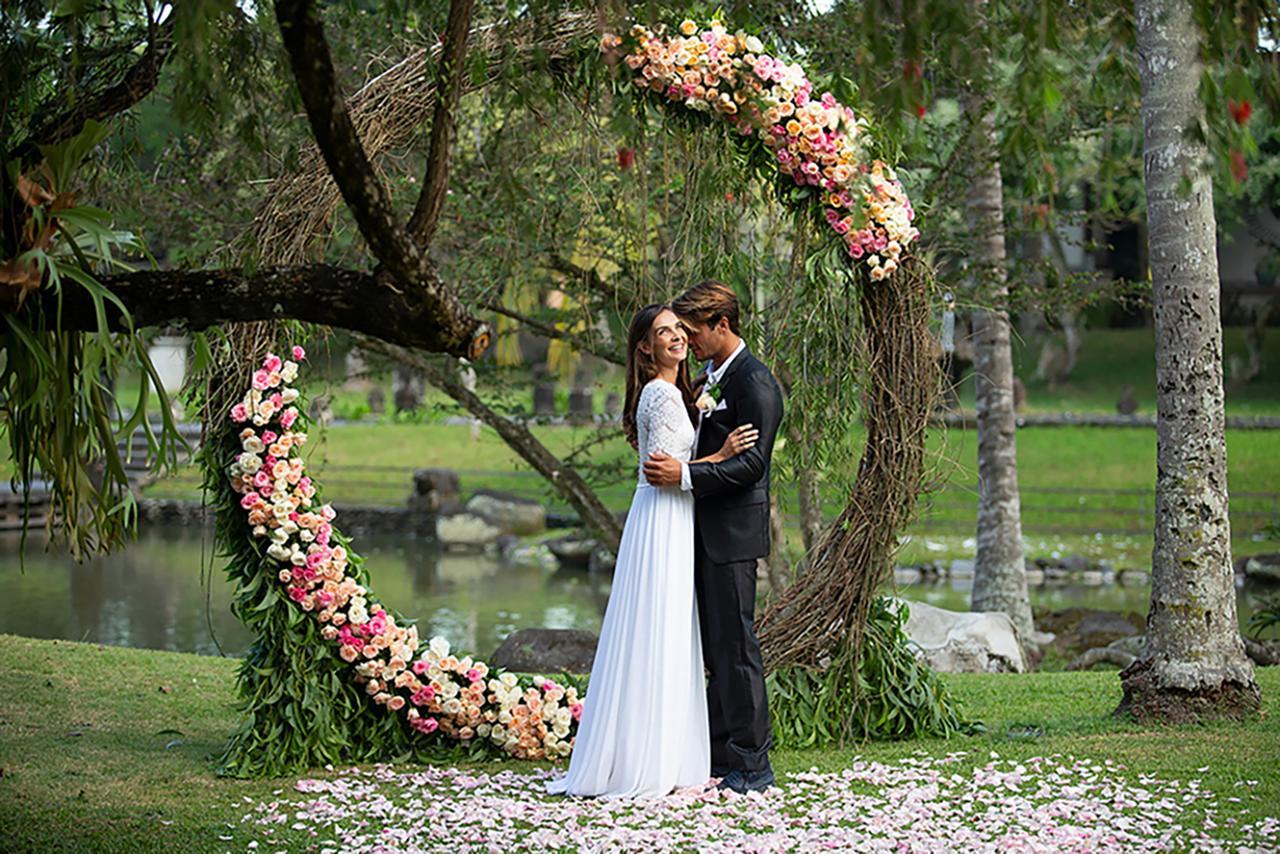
(167, 592)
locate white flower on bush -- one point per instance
(289, 395)
(249, 463)
(253, 444)
(439, 647)
(509, 679)
(297, 558)
(289, 372)
(357, 614)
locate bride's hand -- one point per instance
(741, 439)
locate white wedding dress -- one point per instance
(644, 727)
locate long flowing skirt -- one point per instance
(644, 727)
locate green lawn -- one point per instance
(1057, 467)
(110, 749)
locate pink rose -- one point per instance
(420, 667)
(297, 594)
(299, 353)
(288, 417)
(473, 675)
(268, 437)
(260, 380)
(239, 413)
(250, 500)
(425, 725)
(576, 711)
(262, 480)
(272, 363)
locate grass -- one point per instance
(1057, 468)
(110, 749)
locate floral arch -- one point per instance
(334, 676)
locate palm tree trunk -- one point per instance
(1000, 580)
(1194, 664)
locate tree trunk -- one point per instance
(1194, 663)
(1000, 580)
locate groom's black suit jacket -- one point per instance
(732, 508)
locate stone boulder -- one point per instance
(573, 550)
(435, 491)
(546, 651)
(963, 642)
(1081, 629)
(465, 532)
(510, 513)
(1265, 567)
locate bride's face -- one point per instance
(668, 342)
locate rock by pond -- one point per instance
(964, 642)
(546, 651)
(1263, 567)
(509, 513)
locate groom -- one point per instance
(731, 530)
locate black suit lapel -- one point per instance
(734, 367)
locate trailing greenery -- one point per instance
(58, 410)
(895, 695)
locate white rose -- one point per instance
(289, 372)
(508, 679)
(298, 559)
(253, 445)
(439, 646)
(278, 552)
(754, 44)
(249, 463)
(289, 395)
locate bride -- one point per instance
(644, 727)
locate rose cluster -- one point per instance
(817, 142)
(436, 691)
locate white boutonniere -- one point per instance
(708, 400)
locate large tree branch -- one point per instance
(547, 330)
(370, 203)
(426, 213)
(137, 83)
(198, 299)
(566, 481)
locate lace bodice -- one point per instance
(662, 423)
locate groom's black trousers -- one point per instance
(736, 701)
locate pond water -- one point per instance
(167, 592)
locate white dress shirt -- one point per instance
(714, 373)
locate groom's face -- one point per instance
(705, 341)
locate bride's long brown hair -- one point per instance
(641, 367)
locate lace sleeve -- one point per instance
(666, 421)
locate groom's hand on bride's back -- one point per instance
(662, 470)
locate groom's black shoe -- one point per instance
(747, 781)
(721, 771)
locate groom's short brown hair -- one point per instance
(707, 302)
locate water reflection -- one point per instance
(151, 595)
